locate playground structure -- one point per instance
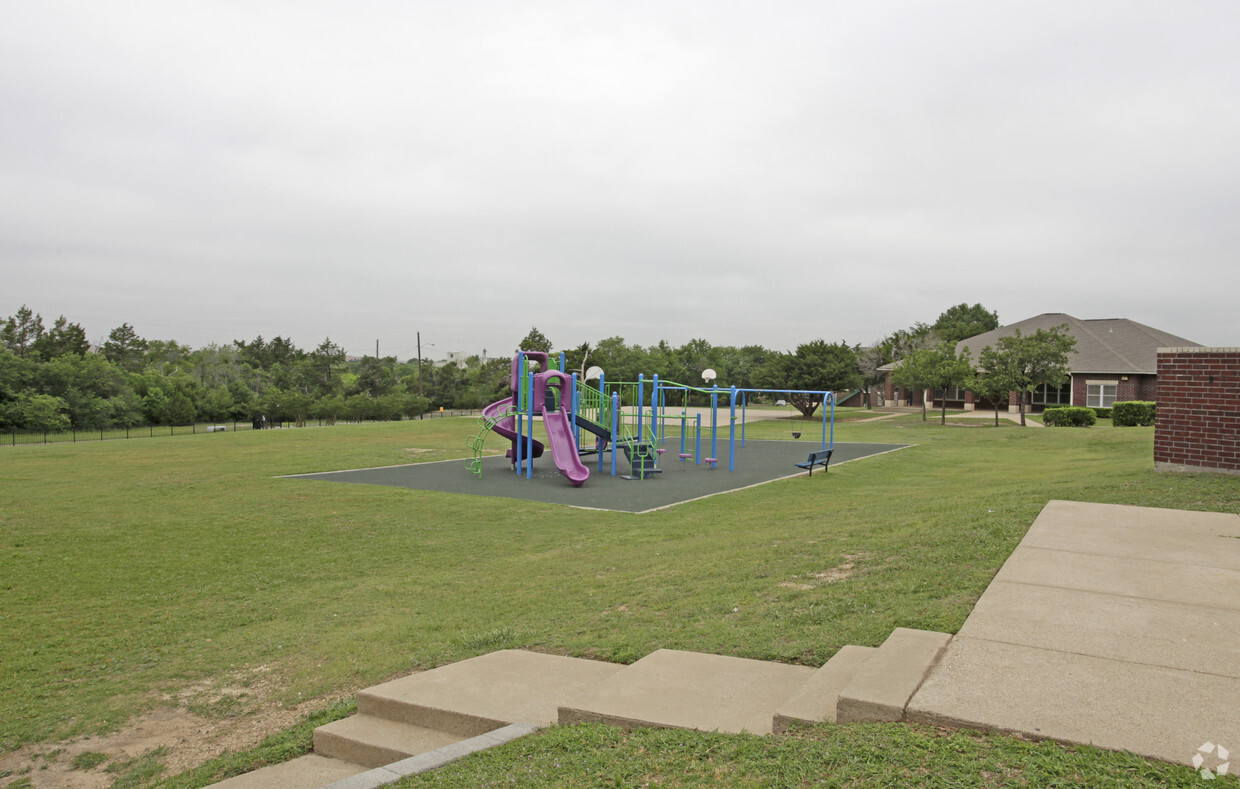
(627, 417)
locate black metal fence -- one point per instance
(16, 437)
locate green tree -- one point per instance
(167, 356)
(254, 353)
(325, 363)
(61, 339)
(358, 407)
(534, 341)
(949, 368)
(214, 403)
(21, 332)
(916, 373)
(995, 378)
(329, 408)
(44, 412)
(179, 410)
(16, 377)
(935, 367)
(487, 381)
(375, 377)
(576, 359)
(693, 358)
(742, 366)
(125, 348)
(962, 321)
(416, 405)
(618, 360)
(444, 385)
(1036, 359)
(816, 366)
(91, 387)
(216, 365)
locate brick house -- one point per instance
(1115, 359)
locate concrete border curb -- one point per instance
(423, 762)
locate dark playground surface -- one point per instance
(680, 481)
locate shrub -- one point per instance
(1070, 416)
(1133, 412)
(1103, 413)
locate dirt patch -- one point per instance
(178, 737)
(841, 571)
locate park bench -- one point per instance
(819, 457)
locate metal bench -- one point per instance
(820, 457)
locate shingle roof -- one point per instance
(1103, 345)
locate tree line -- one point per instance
(51, 378)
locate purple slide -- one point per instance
(563, 447)
(508, 428)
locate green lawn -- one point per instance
(131, 571)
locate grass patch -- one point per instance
(139, 772)
(88, 760)
(870, 755)
(131, 572)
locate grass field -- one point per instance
(137, 572)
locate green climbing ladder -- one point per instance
(485, 424)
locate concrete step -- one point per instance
(689, 690)
(816, 702)
(429, 718)
(881, 689)
(484, 693)
(306, 772)
(374, 742)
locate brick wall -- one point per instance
(1198, 420)
(1127, 387)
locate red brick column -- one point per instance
(1197, 427)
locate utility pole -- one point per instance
(376, 349)
(419, 364)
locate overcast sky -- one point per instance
(741, 172)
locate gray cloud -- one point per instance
(740, 172)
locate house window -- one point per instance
(950, 393)
(1100, 394)
(1046, 394)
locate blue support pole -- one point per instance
(573, 397)
(697, 454)
(654, 409)
(684, 429)
(518, 446)
(641, 394)
(825, 398)
(743, 401)
(602, 387)
(561, 361)
(714, 423)
(732, 432)
(529, 437)
(615, 425)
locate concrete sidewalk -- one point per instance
(1112, 625)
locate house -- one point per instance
(1115, 359)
